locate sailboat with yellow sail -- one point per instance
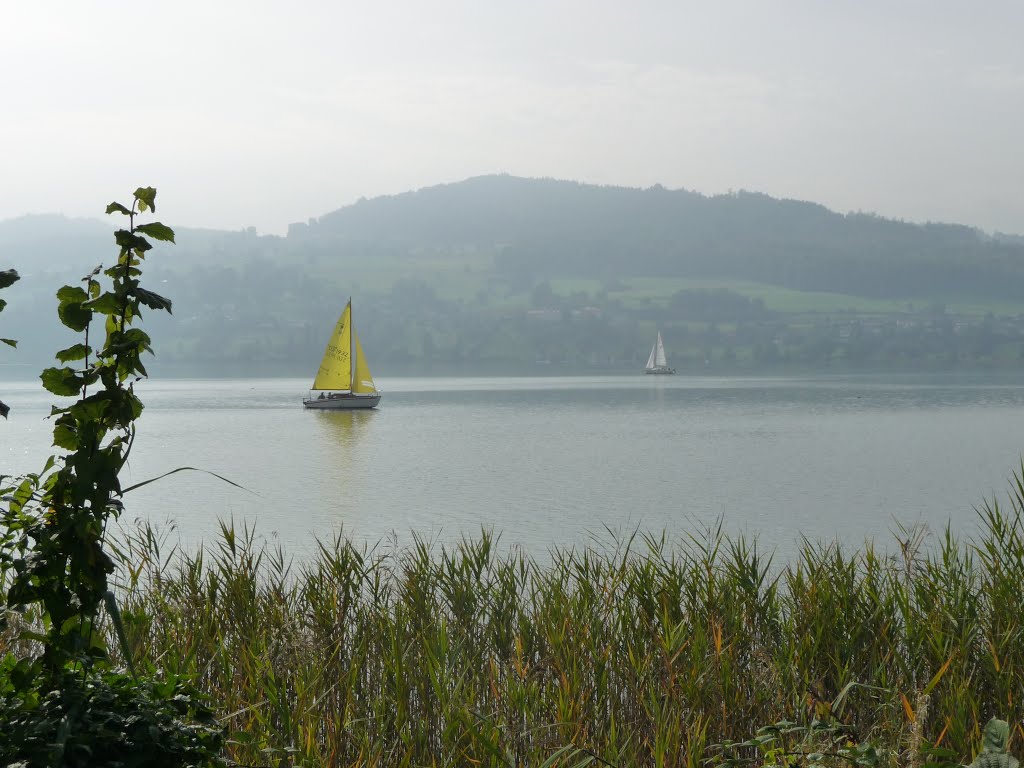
(343, 380)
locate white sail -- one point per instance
(659, 353)
(654, 354)
(657, 362)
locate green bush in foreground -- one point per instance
(641, 653)
(101, 718)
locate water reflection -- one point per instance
(344, 427)
(340, 478)
(656, 392)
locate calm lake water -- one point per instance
(560, 460)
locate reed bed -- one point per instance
(641, 653)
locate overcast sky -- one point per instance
(263, 113)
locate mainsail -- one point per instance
(336, 368)
(657, 358)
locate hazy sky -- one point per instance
(264, 113)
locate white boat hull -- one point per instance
(662, 370)
(343, 402)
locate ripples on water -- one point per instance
(560, 461)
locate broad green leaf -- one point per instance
(106, 303)
(70, 310)
(130, 241)
(129, 339)
(92, 408)
(8, 277)
(119, 208)
(64, 382)
(14, 342)
(72, 293)
(119, 271)
(4, 409)
(157, 231)
(76, 352)
(74, 316)
(147, 198)
(2, 305)
(65, 437)
(153, 300)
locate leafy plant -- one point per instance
(63, 703)
(814, 745)
(56, 521)
(7, 278)
(102, 718)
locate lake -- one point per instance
(546, 461)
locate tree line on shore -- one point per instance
(505, 274)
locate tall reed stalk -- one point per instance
(641, 653)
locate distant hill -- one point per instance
(52, 241)
(501, 209)
(531, 230)
(500, 274)
(549, 228)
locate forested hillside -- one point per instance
(504, 274)
(547, 228)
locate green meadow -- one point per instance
(466, 279)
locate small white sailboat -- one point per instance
(343, 380)
(657, 363)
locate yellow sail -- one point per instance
(336, 368)
(362, 382)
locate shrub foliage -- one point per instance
(61, 701)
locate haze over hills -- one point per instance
(458, 274)
(554, 228)
(502, 207)
(548, 227)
